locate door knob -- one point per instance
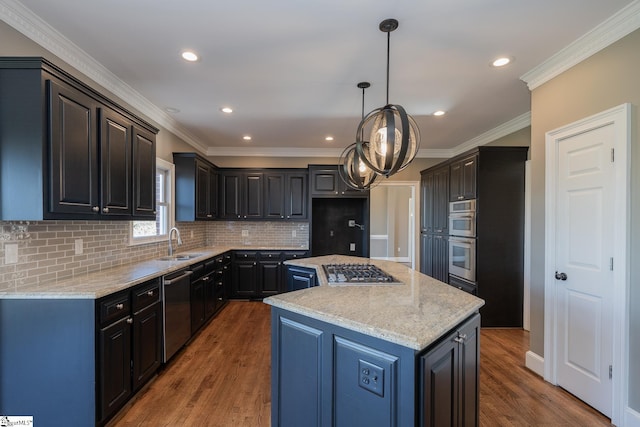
(561, 276)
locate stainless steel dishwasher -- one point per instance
(176, 304)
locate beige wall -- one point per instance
(605, 80)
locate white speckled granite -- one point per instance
(105, 282)
(413, 314)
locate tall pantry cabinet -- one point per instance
(495, 178)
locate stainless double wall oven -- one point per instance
(462, 239)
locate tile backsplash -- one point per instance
(46, 250)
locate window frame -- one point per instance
(169, 168)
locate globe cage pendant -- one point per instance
(352, 169)
(394, 136)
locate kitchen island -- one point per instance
(399, 354)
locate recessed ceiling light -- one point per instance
(172, 110)
(502, 61)
(329, 138)
(247, 138)
(438, 113)
(227, 110)
(190, 56)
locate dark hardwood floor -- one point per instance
(223, 379)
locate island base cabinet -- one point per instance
(449, 379)
(326, 375)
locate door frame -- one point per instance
(620, 118)
(415, 241)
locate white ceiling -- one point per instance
(289, 68)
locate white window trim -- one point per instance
(162, 237)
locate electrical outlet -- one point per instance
(293, 233)
(11, 253)
(191, 234)
(352, 247)
(245, 233)
(371, 377)
(352, 223)
(78, 246)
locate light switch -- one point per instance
(352, 247)
(245, 233)
(11, 253)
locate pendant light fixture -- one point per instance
(352, 169)
(394, 137)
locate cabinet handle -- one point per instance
(245, 217)
(460, 339)
(150, 293)
(209, 216)
(95, 209)
(238, 216)
(281, 216)
(105, 210)
(129, 320)
(206, 279)
(254, 263)
(120, 306)
(460, 197)
(220, 299)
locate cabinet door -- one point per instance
(115, 366)
(441, 201)
(147, 343)
(270, 278)
(73, 150)
(197, 305)
(144, 173)
(439, 385)
(463, 178)
(274, 196)
(253, 194)
(296, 196)
(300, 278)
(213, 194)
(202, 190)
(324, 181)
(440, 258)
(469, 335)
(426, 211)
(115, 161)
(245, 279)
(426, 254)
(229, 195)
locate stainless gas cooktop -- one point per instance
(363, 274)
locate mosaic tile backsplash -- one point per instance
(46, 250)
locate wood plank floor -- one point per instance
(223, 379)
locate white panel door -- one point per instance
(584, 250)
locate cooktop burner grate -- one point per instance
(357, 274)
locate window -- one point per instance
(154, 231)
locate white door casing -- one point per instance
(586, 230)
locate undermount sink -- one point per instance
(179, 257)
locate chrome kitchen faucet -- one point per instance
(170, 243)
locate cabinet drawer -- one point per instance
(246, 255)
(463, 285)
(265, 256)
(294, 254)
(114, 307)
(146, 295)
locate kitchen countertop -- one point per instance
(101, 283)
(413, 314)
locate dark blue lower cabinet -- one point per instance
(325, 375)
(300, 278)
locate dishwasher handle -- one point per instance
(177, 279)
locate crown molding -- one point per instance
(608, 32)
(514, 125)
(32, 26)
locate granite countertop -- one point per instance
(99, 284)
(413, 314)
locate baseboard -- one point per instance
(534, 362)
(631, 418)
